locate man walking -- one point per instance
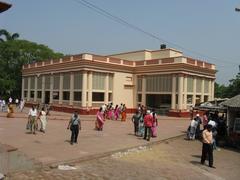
(207, 148)
(74, 125)
(148, 122)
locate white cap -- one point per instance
(148, 111)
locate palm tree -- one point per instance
(8, 36)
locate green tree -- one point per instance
(8, 36)
(220, 90)
(233, 89)
(15, 53)
(234, 86)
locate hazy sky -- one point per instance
(211, 28)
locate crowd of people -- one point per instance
(8, 105)
(34, 117)
(214, 127)
(218, 123)
(145, 122)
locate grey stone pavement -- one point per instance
(54, 147)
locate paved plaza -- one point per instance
(54, 146)
(110, 154)
(175, 159)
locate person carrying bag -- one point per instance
(74, 125)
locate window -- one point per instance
(189, 84)
(199, 85)
(25, 83)
(77, 80)
(39, 83)
(55, 95)
(97, 96)
(66, 81)
(66, 95)
(31, 94)
(139, 98)
(39, 94)
(159, 83)
(206, 86)
(109, 96)
(25, 94)
(47, 82)
(56, 81)
(98, 81)
(139, 85)
(32, 80)
(77, 96)
(205, 98)
(189, 99)
(110, 85)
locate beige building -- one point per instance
(163, 79)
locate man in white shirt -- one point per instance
(10, 100)
(32, 119)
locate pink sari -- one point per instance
(100, 120)
(116, 113)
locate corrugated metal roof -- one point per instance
(234, 102)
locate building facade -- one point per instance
(163, 79)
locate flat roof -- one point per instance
(145, 50)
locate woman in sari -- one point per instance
(155, 124)
(116, 112)
(141, 126)
(43, 120)
(110, 112)
(100, 120)
(124, 114)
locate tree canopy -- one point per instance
(13, 54)
(233, 89)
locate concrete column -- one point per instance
(185, 93)
(194, 90)
(61, 89)
(173, 99)
(51, 89)
(90, 89)
(180, 91)
(29, 85)
(106, 83)
(35, 88)
(22, 93)
(202, 90)
(43, 89)
(84, 89)
(213, 90)
(135, 90)
(71, 88)
(144, 90)
(209, 90)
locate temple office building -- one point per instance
(163, 79)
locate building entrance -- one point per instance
(160, 102)
(47, 97)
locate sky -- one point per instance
(206, 30)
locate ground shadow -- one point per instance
(195, 162)
(196, 156)
(131, 134)
(28, 133)
(230, 148)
